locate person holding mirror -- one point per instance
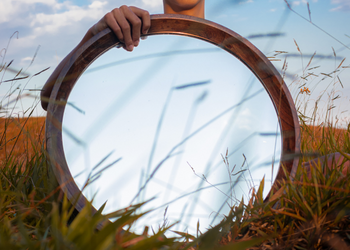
(128, 23)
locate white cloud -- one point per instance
(343, 5)
(153, 3)
(245, 1)
(97, 5)
(12, 10)
(47, 15)
(26, 59)
(297, 3)
(50, 23)
(246, 120)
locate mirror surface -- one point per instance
(164, 117)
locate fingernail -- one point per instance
(136, 43)
(143, 37)
(130, 47)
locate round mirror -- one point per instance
(179, 120)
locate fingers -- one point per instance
(145, 17)
(122, 17)
(128, 23)
(110, 21)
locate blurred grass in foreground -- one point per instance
(306, 213)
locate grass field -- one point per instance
(311, 210)
(306, 213)
(22, 137)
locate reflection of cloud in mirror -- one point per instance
(245, 121)
(171, 118)
(342, 5)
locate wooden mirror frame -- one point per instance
(176, 25)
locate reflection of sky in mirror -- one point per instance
(179, 99)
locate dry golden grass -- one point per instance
(22, 132)
(27, 134)
(314, 135)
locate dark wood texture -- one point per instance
(179, 25)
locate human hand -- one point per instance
(127, 22)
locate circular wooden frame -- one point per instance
(178, 25)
